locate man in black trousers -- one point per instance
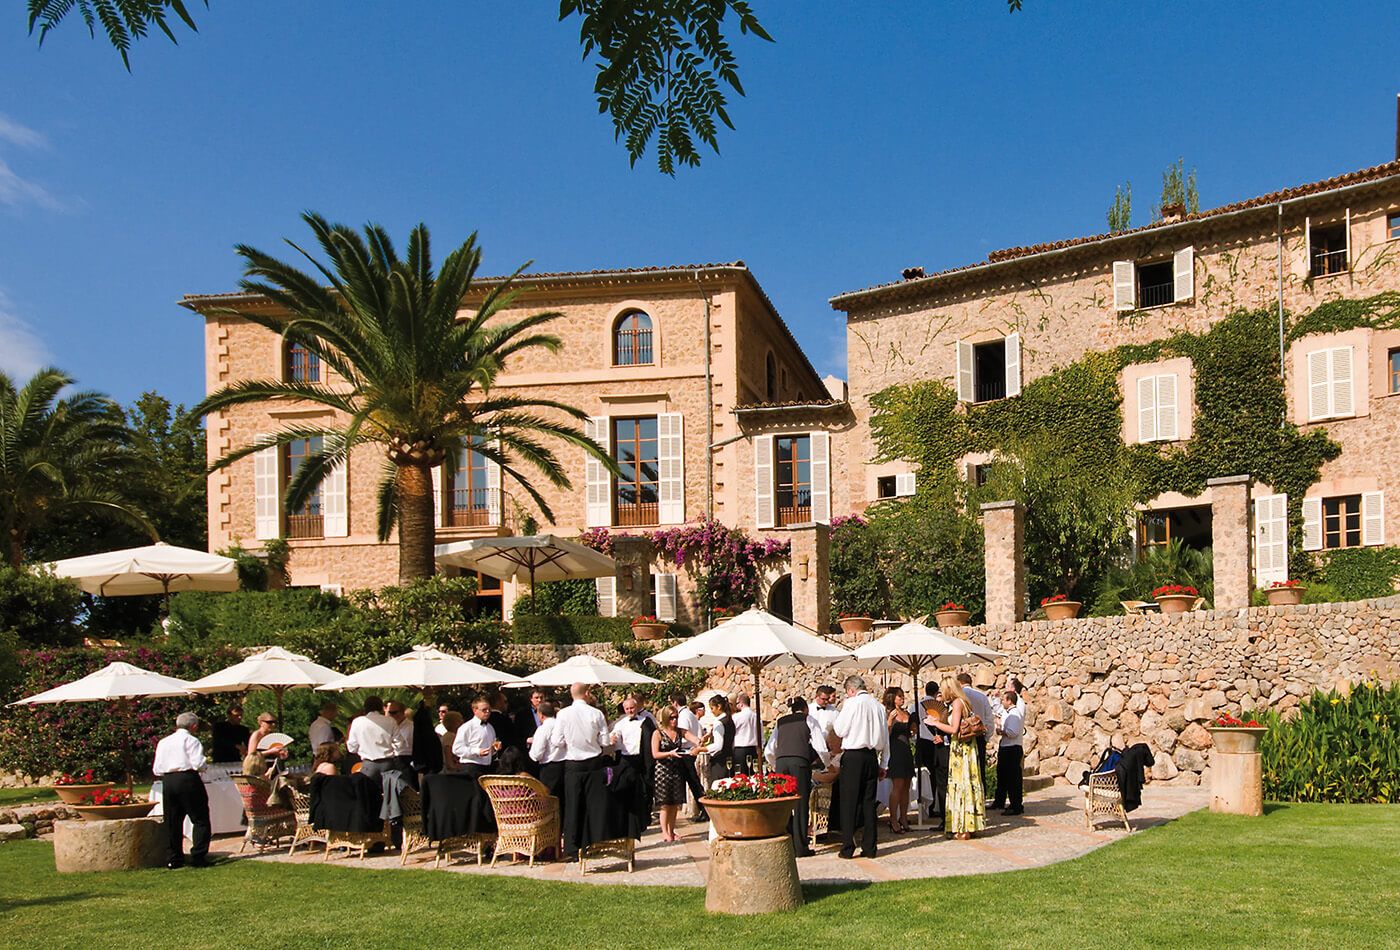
(865, 751)
(1011, 727)
(179, 759)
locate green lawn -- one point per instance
(1302, 876)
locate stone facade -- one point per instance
(1149, 678)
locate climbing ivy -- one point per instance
(1360, 573)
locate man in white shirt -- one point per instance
(865, 751)
(629, 731)
(322, 729)
(441, 727)
(402, 742)
(747, 736)
(476, 740)
(548, 750)
(981, 708)
(824, 709)
(1011, 727)
(585, 732)
(179, 759)
(371, 737)
(688, 725)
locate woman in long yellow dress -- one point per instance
(965, 812)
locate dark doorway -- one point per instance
(1191, 526)
(780, 598)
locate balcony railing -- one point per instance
(638, 514)
(634, 348)
(1329, 262)
(1156, 295)
(474, 507)
(305, 526)
(798, 514)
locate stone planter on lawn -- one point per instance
(952, 618)
(1062, 609)
(1285, 596)
(1236, 770)
(756, 818)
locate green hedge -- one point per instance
(1337, 749)
(527, 628)
(1360, 573)
(38, 608)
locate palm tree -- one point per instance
(59, 455)
(417, 379)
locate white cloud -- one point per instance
(21, 135)
(21, 350)
(15, 189)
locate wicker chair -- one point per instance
(624, 848)
(477, 843)
(819, 811)
(361, 840)
(527, 816)
(413, 836)
(267, 824)
(1102, 799)
(305, 833)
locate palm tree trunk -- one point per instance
(15, 554)
(413, 485)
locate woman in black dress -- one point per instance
(667, 753)
(901, 767)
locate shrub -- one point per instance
(1175, 563)
(38, 608)
(930, 550)
(1361, 573)
(858, 585)
(573, 598)
(529, 628)
(1338, 748)
(251, 617)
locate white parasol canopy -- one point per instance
(914, 646)
(533, 557)
(113, 681)
(154, 569)
(588, 669)
(423, 668)
(274, 668)
(755, 639)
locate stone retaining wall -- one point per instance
(1150, 678)
(33, 820)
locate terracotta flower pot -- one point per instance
(1062, 609)
(759, 818)
(76, 794)
(108, 812)
(649, 631)
(1175, 603)
(1237, 738)
(1285, 596)
(952, 618)
(856, 624)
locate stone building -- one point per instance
(662, 359)
(991, 327)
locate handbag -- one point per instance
(971, 727)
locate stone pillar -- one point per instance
(120, 844)
(1230, 540)
(633, 557)
(811, 577)
(1004, 554)
(1236, 772)
(753, 876)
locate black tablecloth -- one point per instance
(346, 803)
(453, 805)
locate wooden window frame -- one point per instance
(1338, 514)
(310, 521)
(300, 365)
(792, 489)
(1392, 370)
(1392, 225)
(470, 507)
(631, 341)
(639, 513)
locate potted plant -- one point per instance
(1287, 593)
(752, 806)
(648, 627)
(1176, 598)
(107, 804)
(1060, 607)
(1229, 734)
(952, 614)
(855, 623)
(72, 789)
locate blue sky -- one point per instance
(873, 137)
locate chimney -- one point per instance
(914, 273)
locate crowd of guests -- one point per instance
(577, 751)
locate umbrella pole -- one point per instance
(758, 713)
(920, 821)
(278, 691)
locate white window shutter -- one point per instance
(607, 596)
(1312, 524)
(1372, 517)
(335, 513)
(1166, 408)
(1307, 246)
(267, 492)
(1013, 364)
(1270, 539)
(821, 476)
(1147, 409)
(439, 510)
(1124, 285)
(1319, 385)
(1184, 274)
(1343, 387)
(1346, 237)
(670, 435)
(598, 500)
(666, 597)
(493, 489)
(904, 485)
(763, 515)
(966, 390)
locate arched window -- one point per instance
(632, 340)
(770, 376)
(303, 366)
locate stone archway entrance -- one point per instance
(780, 598)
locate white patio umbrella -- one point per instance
(914, 647)
(158, 568)
(423, 668)
(755, 639)
(274, 668)
(585, 668)
(530, 557)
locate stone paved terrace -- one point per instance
(1051, 830)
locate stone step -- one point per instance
(1034, 783)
